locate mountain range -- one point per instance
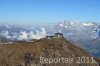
(83, 34)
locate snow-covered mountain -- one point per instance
(79, 29)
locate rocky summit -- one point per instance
(49, 51)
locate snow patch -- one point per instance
(88, 24)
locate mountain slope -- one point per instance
(29, 53)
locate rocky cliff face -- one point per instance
(45, 52)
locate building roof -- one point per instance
(58, 34)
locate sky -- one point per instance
(48, 11)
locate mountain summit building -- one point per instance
(56, 35)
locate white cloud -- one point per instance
(4, 33)
(38, 34)
(23, 36)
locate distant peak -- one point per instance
(88, 24)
